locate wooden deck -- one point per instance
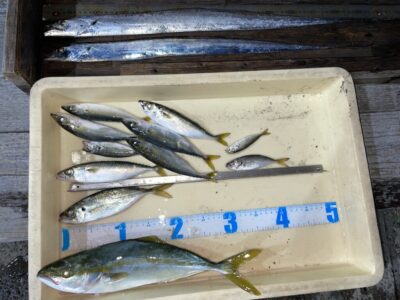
(379, 106)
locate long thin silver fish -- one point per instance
(166, 158)
(89, 130)
(145, 49)
(107, 203)
(105, 171)
(166, 138)
(174, 21)
(175, 121)
(108, 149)
(251, 162)
(133, 263)
(97, 112)
(245, 142)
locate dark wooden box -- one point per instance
(366, 39)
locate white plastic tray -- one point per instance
(313, 117)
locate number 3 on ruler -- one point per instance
(231, 217)
(282, 218)
(331, 212)
(179, 223)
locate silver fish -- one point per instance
(145, 49)
(108, 149)
(177, 122)
(250, 162)
(166, 158)
(245, 142)
(174, 21)
(104, 171)
(89, 130)
(106, 203)
(97, 112)
(133, 263)
(166, 138)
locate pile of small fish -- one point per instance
(158, 138)
(170, 21)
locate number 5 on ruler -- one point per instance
(331, 212)
(179, 223)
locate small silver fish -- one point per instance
(89, 130)
(245, 142)
(104, 171)
(132, 263)
(166, 138)
(108, 149)
(166, 158)
(97, 112)
(172, 21)
(177, 122)
(174, 47)
(106, 203)
(250, 162)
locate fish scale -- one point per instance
(201, 225)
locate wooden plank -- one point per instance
(14, 149)
(378, 97)
(367, 77)
(382, 142)
(386, 192)
(392, 223)
(22, 37)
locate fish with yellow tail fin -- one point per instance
(177, 122)
(132, 263)
(245, 142)
(166, 158)
(165, 138)
(251, 162)
(107, 203)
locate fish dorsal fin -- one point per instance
(117, 276)
(152, 239)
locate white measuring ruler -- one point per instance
(80, 237)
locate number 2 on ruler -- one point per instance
(178, 223)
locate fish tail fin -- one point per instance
(265, 132)
(209, 158)
(212, 176)
(221, 138)
(160, 191)
(282, 161)
(161, 171)
(229, 268)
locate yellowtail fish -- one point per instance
(168, 139)
(245, 142)
(166, 158)
(133, 263)
(105, 171)
(250, 162)
(107, 203)
(108, 149)
(177, 122)
(89, 130)
(97, 112)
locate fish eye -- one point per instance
(83, 209)
(66, 274)
(62, 119)
(69, 172)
